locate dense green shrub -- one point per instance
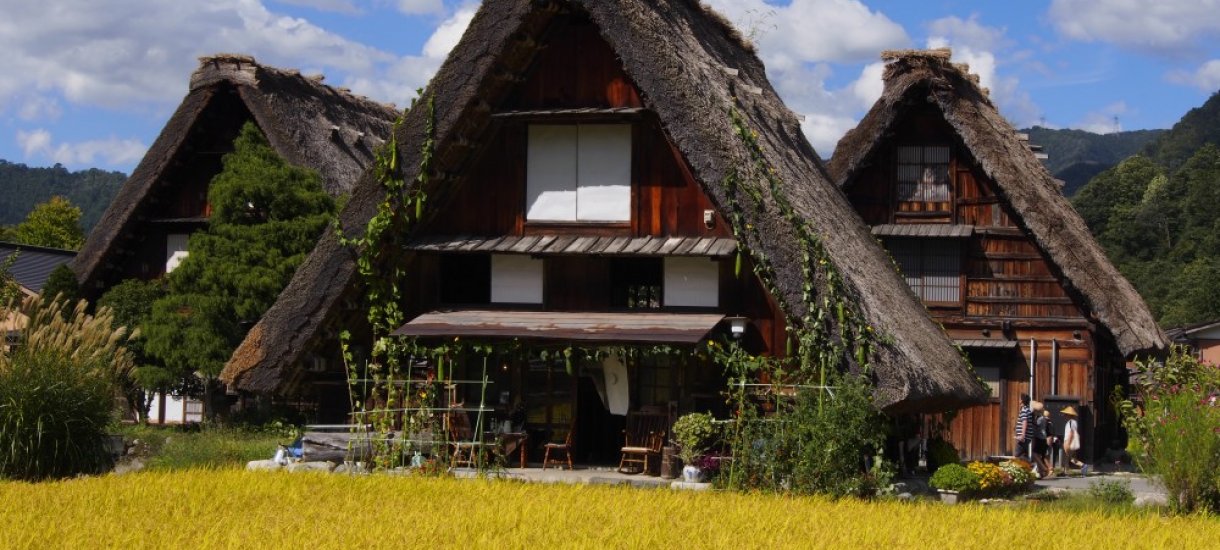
(954, 477)
(1174, 417)
(1112, 491)
(57, 390)
(942, 453)
(815, 441)
(693, 432)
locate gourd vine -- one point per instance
(829, 333)
(381, 391)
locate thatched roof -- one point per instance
(691, 69)
(308, 123)
(917, 77)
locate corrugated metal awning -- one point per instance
(940, 230)
(584, 245)
(987, 344)
(675, 328)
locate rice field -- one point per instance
(237, 509)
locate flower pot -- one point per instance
(692, 474)
(948, 497)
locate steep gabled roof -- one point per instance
(691, 69)
(915, 78)
(308, 123)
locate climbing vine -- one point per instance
(790, 412)
(829, 328)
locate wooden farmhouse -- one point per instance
(143, 233)
(596, 169)
(984, 237)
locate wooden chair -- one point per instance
(642, 440)
(462, 441)
(565, 448)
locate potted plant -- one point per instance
(693, 433)
(953, 481)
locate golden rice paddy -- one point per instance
(236, 509)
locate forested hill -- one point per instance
(1156, 216)
(22, 187)
(1076, 155)
(1198, 126)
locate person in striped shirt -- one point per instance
(1023, 430)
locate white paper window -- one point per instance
(692, 282)
(579, 173)
(516, 279)
(175, 251)
(930, 267)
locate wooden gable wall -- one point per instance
(577, 69)
(177, 203)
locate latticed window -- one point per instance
(932, 268)
(923, 174)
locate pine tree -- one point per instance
(267, 215)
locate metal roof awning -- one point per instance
(675, 328)
(574, 244)
(940, 230)
(987, 344)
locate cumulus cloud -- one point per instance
(800, 41)
(1206, 77)
(1164, 26)
(409, 73)
(129, 53)
(1104, 120)
(39, 107)
(111, 151)
(814, 30)
(976, 45)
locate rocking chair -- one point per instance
(642, 440)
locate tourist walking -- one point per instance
(1023, 430)
(1042, 431)
(1071, 442)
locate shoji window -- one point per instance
(923, 175)
(579, 173)
(932, 268)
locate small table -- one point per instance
(520, 438)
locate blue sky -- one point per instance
(91, 83)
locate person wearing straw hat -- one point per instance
(1071, 442)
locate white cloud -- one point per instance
(799, 42)
(868, 88)
(31, 143)
(1104, 120)
(409, 73)
(111, 151)
(1206, 77)
(1163, 26)
(132, 53)
(975, 45)
(39, 107)
(814, 30)
(420, 7)
(968, 32)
